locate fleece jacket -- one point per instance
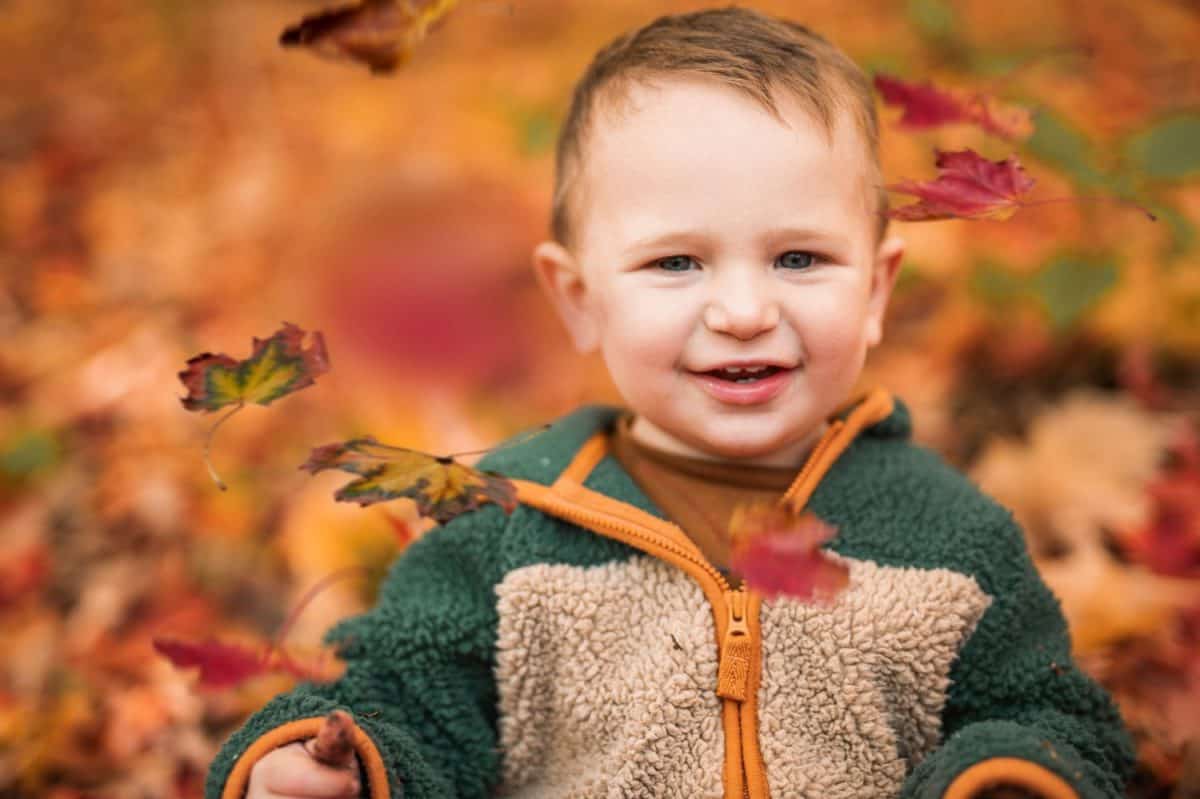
(582, 646)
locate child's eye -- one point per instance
(674, 263)
(797, 259)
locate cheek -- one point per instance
(830, 324)
(643, 327)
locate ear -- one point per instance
(883, 278)
(562, 280)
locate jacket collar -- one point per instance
(574, 449)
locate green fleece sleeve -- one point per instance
(1016, 692)
(418, 679)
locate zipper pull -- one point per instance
(733, 673)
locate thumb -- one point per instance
(333, 744)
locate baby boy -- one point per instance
(719, 237)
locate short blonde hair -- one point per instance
(739, 47)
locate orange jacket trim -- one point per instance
(1009, 771)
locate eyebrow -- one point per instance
(774, 234)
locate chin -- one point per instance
(739, 448)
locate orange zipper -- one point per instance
(735, 642)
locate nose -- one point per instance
(742, 306)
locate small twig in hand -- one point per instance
(333, 746)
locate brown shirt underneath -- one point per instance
(695, 493)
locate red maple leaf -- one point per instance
(972, 187)
(968, 187)
(778, 551)
(927, 106)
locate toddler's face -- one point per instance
(709, 234)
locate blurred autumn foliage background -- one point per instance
(172, 181)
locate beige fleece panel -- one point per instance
(606, 680)
(852, 690)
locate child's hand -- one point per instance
(325, 766)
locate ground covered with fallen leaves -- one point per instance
(173, 181)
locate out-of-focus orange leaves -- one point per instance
(968, 187)
(441, 486)
(379, 33)
(926, 106)
(1155, 678)
(778, 552)
(1079, 475)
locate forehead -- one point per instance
(693, 154)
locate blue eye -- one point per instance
(674, 263)
(797, 259)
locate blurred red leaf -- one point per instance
(23, 572)
(1169, 543)
(779, 552)
(927, 106)
(222, 665)
(968, 187)
(379, 33)
(403, 530)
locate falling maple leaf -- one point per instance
(379, 33)
(442, 487)
(277, 366)
(969, 187)
(927, 106)
(778, 551)
(972, 187)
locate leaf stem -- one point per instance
(1089, 198)
(308, 597)
(208, 439)
(527, 436)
